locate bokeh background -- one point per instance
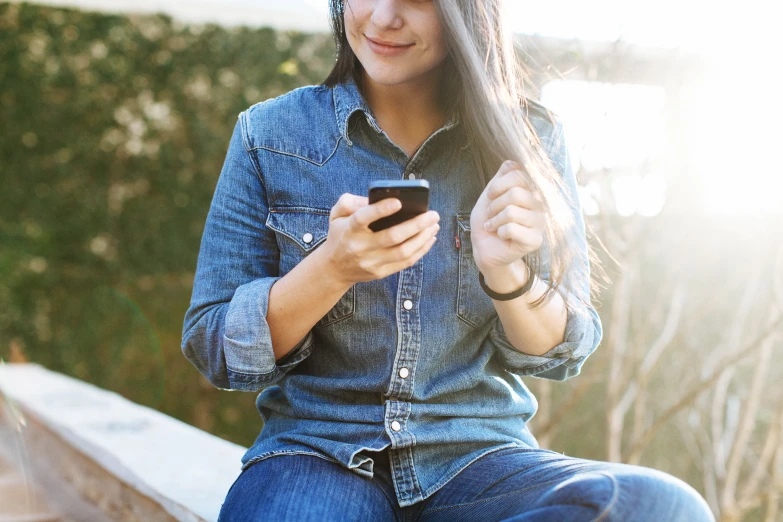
(114, 127)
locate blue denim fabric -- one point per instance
(337, 394)
(510, 485)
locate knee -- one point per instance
(649, 494)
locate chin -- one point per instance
(388, 75)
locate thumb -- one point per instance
(347, 205)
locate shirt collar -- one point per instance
(348, 99)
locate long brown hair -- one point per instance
(487, 87)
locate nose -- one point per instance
(386, 14)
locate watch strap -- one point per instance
(512, 295)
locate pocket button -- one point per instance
(307, 238)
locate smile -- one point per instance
(386, 50)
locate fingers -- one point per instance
(507, 166)
(420, 245)
(374, 254)
(520, 234)
(403, 231)
(408, 248)
(516, 215)
(346, 205)
(509, 175)
(516, 197)
(364, 216)
(417, 238)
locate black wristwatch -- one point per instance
(513, 295)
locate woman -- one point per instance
(391, 379)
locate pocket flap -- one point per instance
(308, 227)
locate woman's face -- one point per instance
(412, 30)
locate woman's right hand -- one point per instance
(357, 254)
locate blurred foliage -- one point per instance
(114, 129)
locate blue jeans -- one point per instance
(511, 485)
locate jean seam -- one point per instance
(615, 494)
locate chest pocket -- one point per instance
(473, 305)
(300, 230)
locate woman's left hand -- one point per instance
(516, 222)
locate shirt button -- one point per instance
(307, 238)
(403, 372)
(396, 426)
(411, 176)
(407, 304)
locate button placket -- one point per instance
(396, 417)
(408, 346)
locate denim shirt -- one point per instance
(417, 362)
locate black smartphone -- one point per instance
(414, 194)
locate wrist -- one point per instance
(326, 266)
(506, 279)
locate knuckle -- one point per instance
(396, 236)
(493, 207)
(357, 221)
(365, 266)
(518, 192)
(355, 249)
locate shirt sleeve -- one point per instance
(225, 333)
(583, 330)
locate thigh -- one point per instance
(536, 485)
(303, 488)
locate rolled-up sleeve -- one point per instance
(225, 333)
(583, 330)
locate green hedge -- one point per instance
(114, 130)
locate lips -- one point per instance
(386, 43)
(386, 48)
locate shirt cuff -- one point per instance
(247, 341)
(582, 335)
